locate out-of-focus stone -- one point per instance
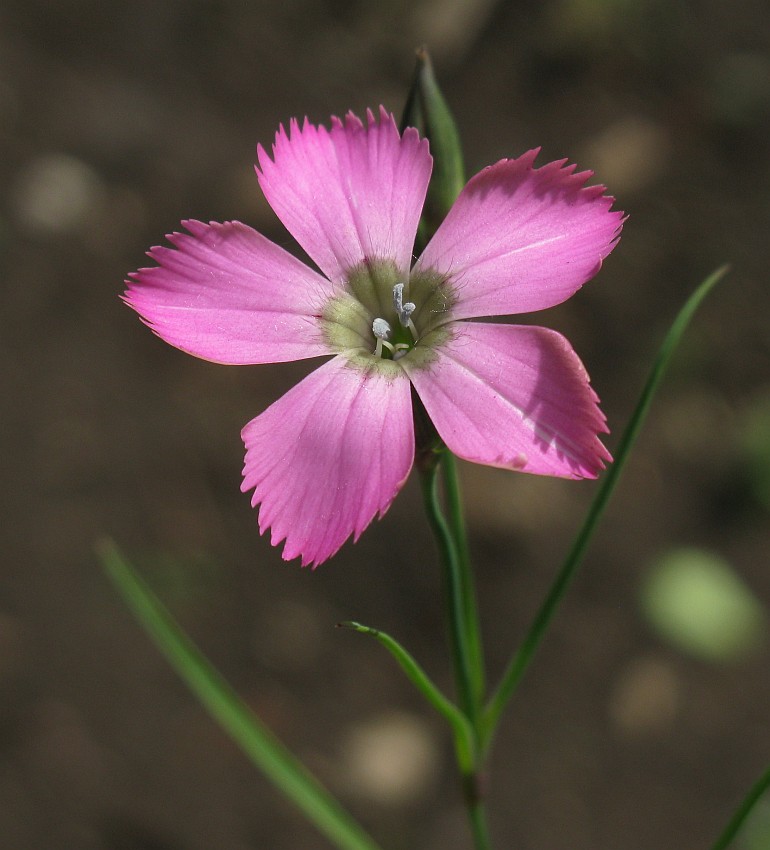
(391, 759)
(646, 697)
(56, 193)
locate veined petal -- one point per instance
(328, 456)
(350, 193)
(229, 295)
(520, 239)
(513, 396)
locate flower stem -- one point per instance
(468, 593)
(461, 652)
(479, 828)
(463, 628)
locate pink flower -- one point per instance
(336, 449)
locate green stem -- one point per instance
(456, 520)
(464, 734)
(738, 819)
(479, 827)
(461, 654)
(521, 660)
(458, 580)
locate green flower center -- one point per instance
(384, 315)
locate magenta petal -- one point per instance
(328, 456)
(349, 193)
(229, 295)
(516, 397)
(520, 239)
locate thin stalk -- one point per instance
(743, 811)
(522, 658)
(456, 519)
(461, 649)
(461, 654)
(479, 827)
(464, 734)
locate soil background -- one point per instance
(117, 120)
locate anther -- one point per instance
(381, 330)
(403, 311)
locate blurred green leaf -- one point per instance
(755, 439)
(182, 578)
(750, 816)
(695, 600)
(288, 774)
(756, 832)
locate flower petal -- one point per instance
(513, 396)
(328, 456)
(229, 295)
(520, 239)
(349, 193)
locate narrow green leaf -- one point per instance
(526, 651)
(755, 446)
(743, 811)
(755, 833)
(419, 678)
(232, 714)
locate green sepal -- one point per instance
(427, 110)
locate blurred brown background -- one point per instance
(119, 119)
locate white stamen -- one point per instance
(381, 329)
(400, 349)
(404, 311)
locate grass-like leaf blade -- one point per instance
(233, 715)
(743, 811)
(521, 659)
